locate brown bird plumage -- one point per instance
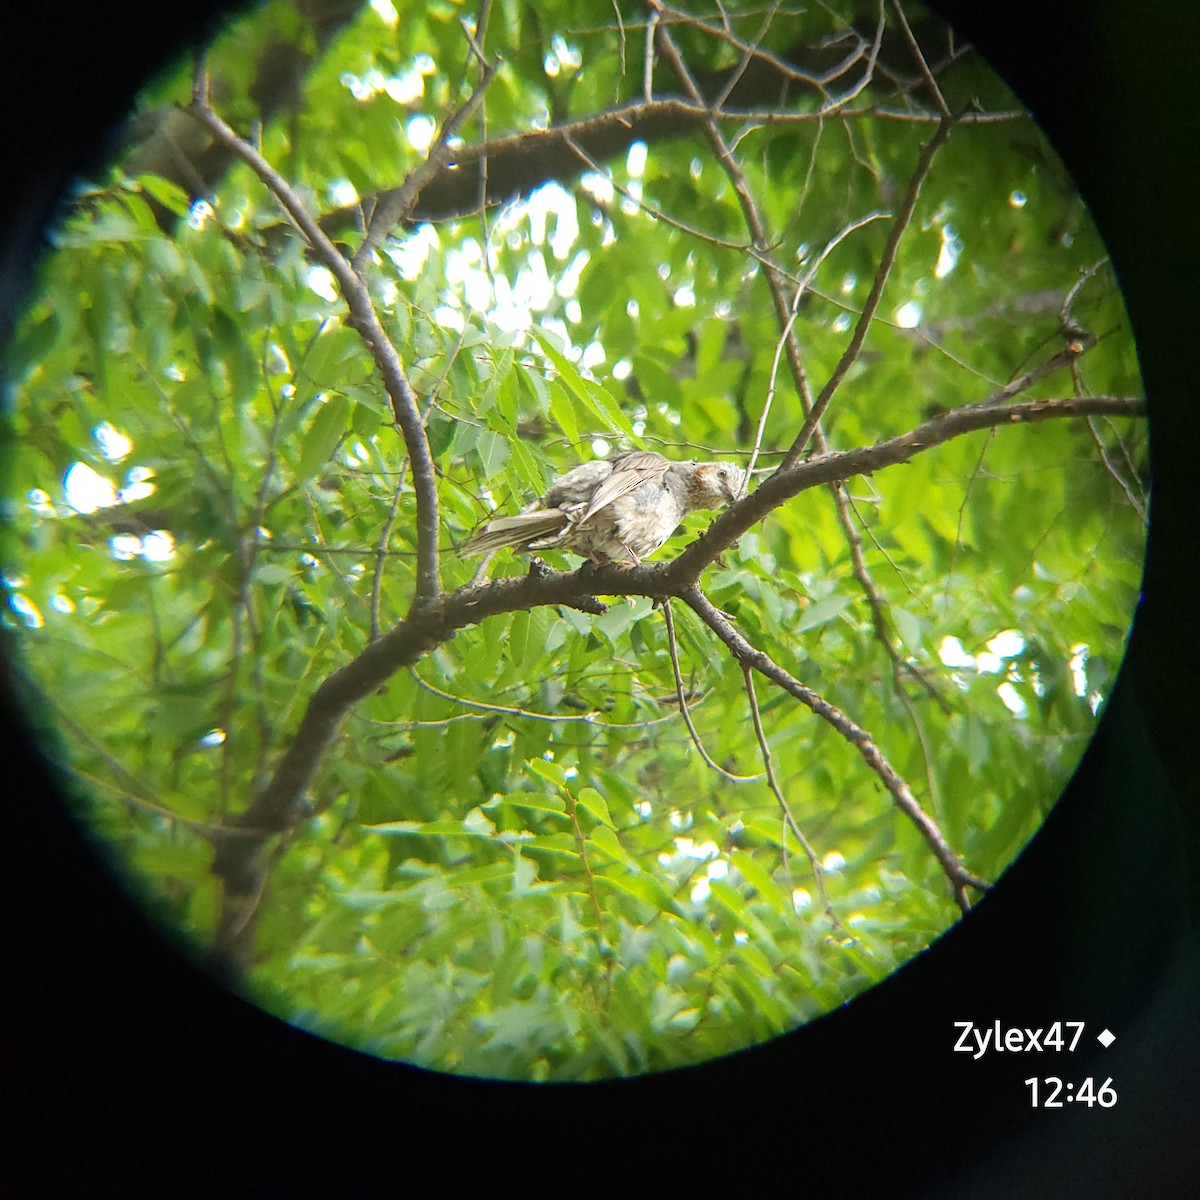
(613, 510)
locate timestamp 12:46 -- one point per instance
(1054, 1093)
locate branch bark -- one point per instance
(844, 464)
(394, 206)
(517, 164)
(751, 657)
(365, 319)
(480, 175)
(241, 860)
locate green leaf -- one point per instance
(822, 611)
(239, 358)
(524, 879)
(548, 770)
(643, 888)
(590, 800)
(909, 627)
(273, 573)
(396, 827)
(561, 410)
(501, 369)
(528, 472)
(493, 452)
(518, 637)
(365, 419)
(606, 838)
(590, 394)
(168, 193)
(30, 346)
(327, 429)
(550, 804)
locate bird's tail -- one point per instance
(521, 531)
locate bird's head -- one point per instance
(713, 485)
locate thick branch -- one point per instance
(420, 632)
(518, 163)
(829, 468)
(366, 321)
(240, 861)
(749, 656)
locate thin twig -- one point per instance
(886, 261)
(820, 81)
(750, 213)
(393, 206)
(1065, 357)
(683, 706)
(751, 657)
(621, 34)
(752, 48)
(880, 619)
(1068, 326)
(789, 817)
(1111, 467)
(921, 118)
(581, 842)
(833, 107)
(922, 65)
(531, 715)
(385, 535)
(651, 210)
(801, 288)
(648, 60)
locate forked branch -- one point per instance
(751, 657)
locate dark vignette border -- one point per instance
(125, 1070)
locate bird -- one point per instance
(618, 510)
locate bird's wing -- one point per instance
(516, 531)
(629, 472)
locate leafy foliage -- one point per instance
(513, 861)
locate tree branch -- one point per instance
(919, 55)
(880, 620)
(517, 164)
(366, 321)
(240, 861)
(421, 632)
(668, 14)
(829, 468)
(789, 818)
(681, 698)
(393, 206)
(886, 261)
(749, 656)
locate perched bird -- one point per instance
(613, 509)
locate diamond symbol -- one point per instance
(1105, 1038)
